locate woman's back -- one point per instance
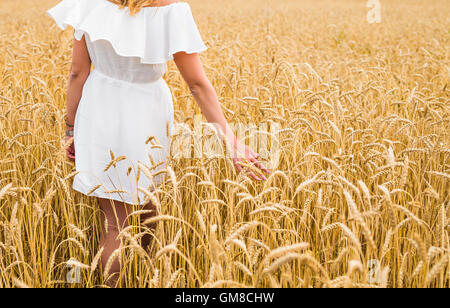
(130, 69)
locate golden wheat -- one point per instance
(363, 174)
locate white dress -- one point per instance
(125, 100)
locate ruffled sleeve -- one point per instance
(68, 13)
(183, 33)
(154, 35)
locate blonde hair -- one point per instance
(133, 5)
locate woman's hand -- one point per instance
(70, 150)
(245, 158)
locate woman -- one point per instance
(113, 110)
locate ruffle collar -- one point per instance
(154, 34)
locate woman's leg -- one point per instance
(147, 239)
(114, 219)
(114, 216)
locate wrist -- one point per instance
(69, 122)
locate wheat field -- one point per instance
(360, 197)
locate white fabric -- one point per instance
(153, 35)
(125, 100)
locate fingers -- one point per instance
(239, 168)
(262, 167)
(70, 156)
(70, 148)
(251, 157)
(253, 176)
(70, 152)
(259, 165)
(237, 165)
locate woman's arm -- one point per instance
(201, 88)
(79, 72)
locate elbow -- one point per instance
(78, 74)
(198, 87)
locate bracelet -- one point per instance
(67, 123)
(69, 133)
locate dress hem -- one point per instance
(82, 188)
